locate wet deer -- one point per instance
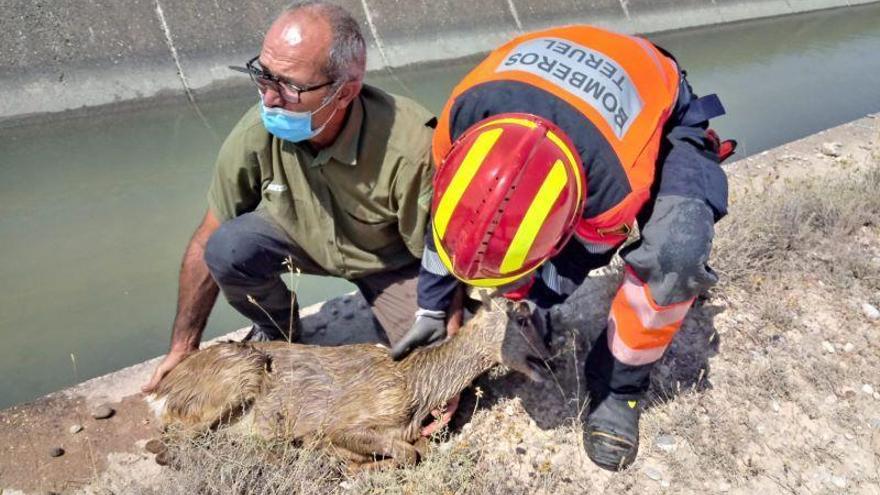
(354, 399)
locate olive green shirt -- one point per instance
(357, 207)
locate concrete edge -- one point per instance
(181, 53)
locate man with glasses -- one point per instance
(326, 172)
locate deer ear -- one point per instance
(484, 297)
(523, 308)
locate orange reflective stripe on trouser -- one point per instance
(639, 331)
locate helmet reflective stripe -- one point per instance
(462, 179)
(534, 218)
(572, 163)
(476, 282)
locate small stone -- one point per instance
(831, 399)
(56, 452)
(155, 446)
(848, 347)
(828, 346)
(871, 312)
(775, 406)
(838, 481)
(74, 429)
(664, 483)
(849, 436)
(508, 410)
(346, 485)
(876, 395)
(724, 487)
(868, 389)
(831, 149)
(653, 473)
(847, 392)
(103, 412)
(665, 443)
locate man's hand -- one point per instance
(429, 327)
(172, 359)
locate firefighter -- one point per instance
(550, 151)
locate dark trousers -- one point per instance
(671, 257)
(248, 255)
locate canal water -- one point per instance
(95, 213)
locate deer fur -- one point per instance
(354, 399)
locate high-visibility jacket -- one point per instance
(626, 107)
(611, 93)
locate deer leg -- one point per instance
(374, 445)
(350, 456)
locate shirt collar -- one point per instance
(345, 148)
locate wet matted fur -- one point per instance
(353, 399)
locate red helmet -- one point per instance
(506, 198)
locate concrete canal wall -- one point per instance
(66, 54)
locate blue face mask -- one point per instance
(292, 126)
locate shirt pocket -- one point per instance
(368, 229)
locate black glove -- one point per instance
(429, 327)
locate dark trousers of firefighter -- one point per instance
(664, 272)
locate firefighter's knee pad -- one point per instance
(673, 252)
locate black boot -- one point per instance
(612, 432)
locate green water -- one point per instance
(95, 213)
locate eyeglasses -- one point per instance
(265, 80)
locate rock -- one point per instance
(847, 392)
(56, 452)
(723, 487)
(868, 389)
(831, 399)
(508, 410)
(520, 450)
(653, 473)
(665, 443)
(838, 481)
(828, 346)
(775, 406)
(74, 429)
(848, 347)
(871, 312)
(103, 412)
(155, 446)
(831, 149)
(346, 485)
